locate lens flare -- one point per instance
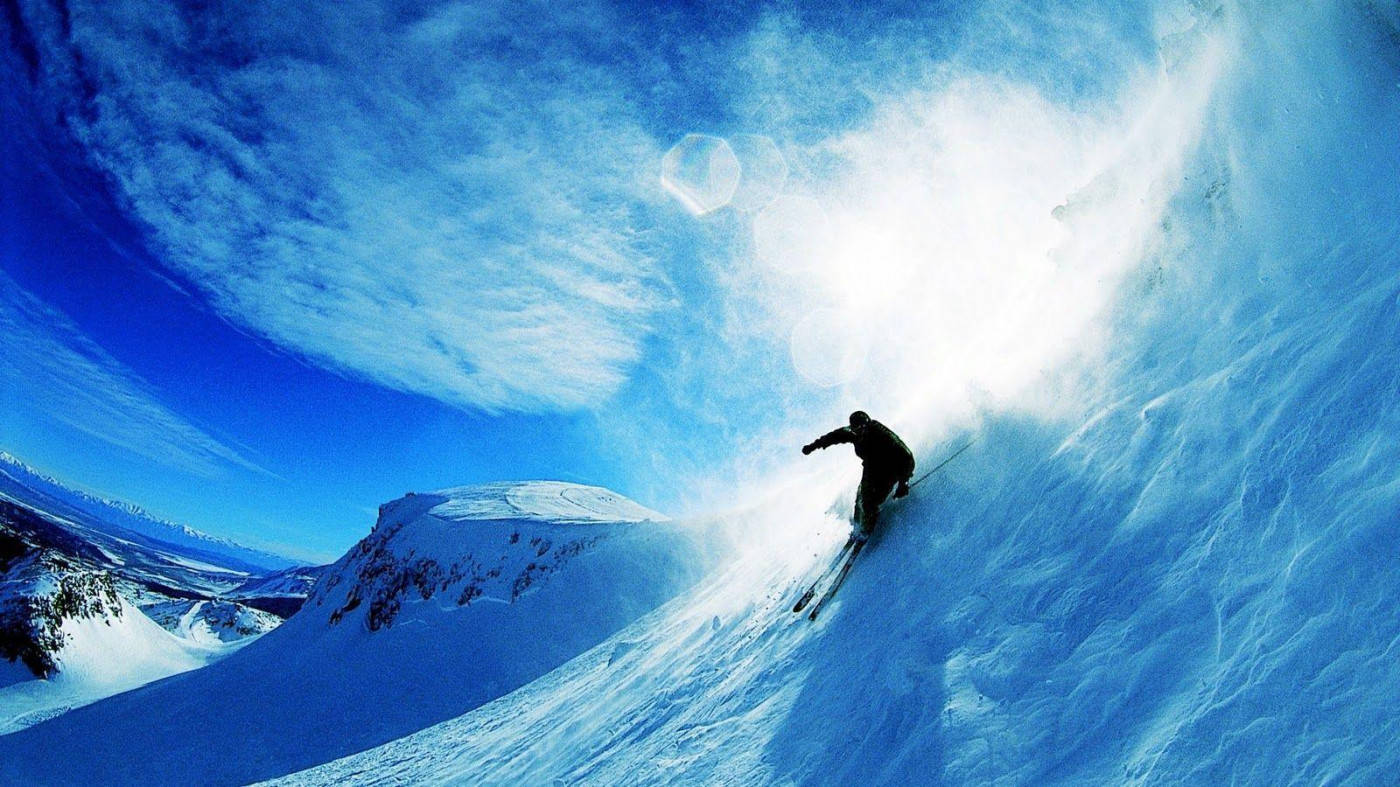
(702, 172)
(764, 171)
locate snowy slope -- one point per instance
(101, 656)
(63, 586)
(1186, 575)
(454, 599)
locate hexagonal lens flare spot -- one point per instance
(763, 171)
(702, 172)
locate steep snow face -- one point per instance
(41, 592)
(454, 599)
(1187, 578)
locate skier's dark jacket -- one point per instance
(880, 450)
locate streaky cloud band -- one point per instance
(446, 205)
(63, 376)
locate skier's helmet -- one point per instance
(859, 418)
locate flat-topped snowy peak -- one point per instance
(488, 542)
(549, 501)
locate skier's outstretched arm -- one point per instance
(834, 437)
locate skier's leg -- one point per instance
(870, 513)
(873, 491)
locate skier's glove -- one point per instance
(808, 448)
(902, 490)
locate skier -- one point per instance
(887, 460)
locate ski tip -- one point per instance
(802, 603)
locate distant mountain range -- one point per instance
(27, 484)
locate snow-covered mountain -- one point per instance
(454, 599)
(88, 609)
(70, 628)
(211, 620)
(26, 484)
(148, 568)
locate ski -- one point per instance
(802, 602)
(944, 462)
(812, 591)
(841, 577)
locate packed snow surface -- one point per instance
(551, 501)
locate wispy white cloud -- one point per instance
(51, 370)
(442, 201)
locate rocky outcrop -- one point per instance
(41, 590)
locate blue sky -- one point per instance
(265, 267)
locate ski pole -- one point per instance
(944, 462)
